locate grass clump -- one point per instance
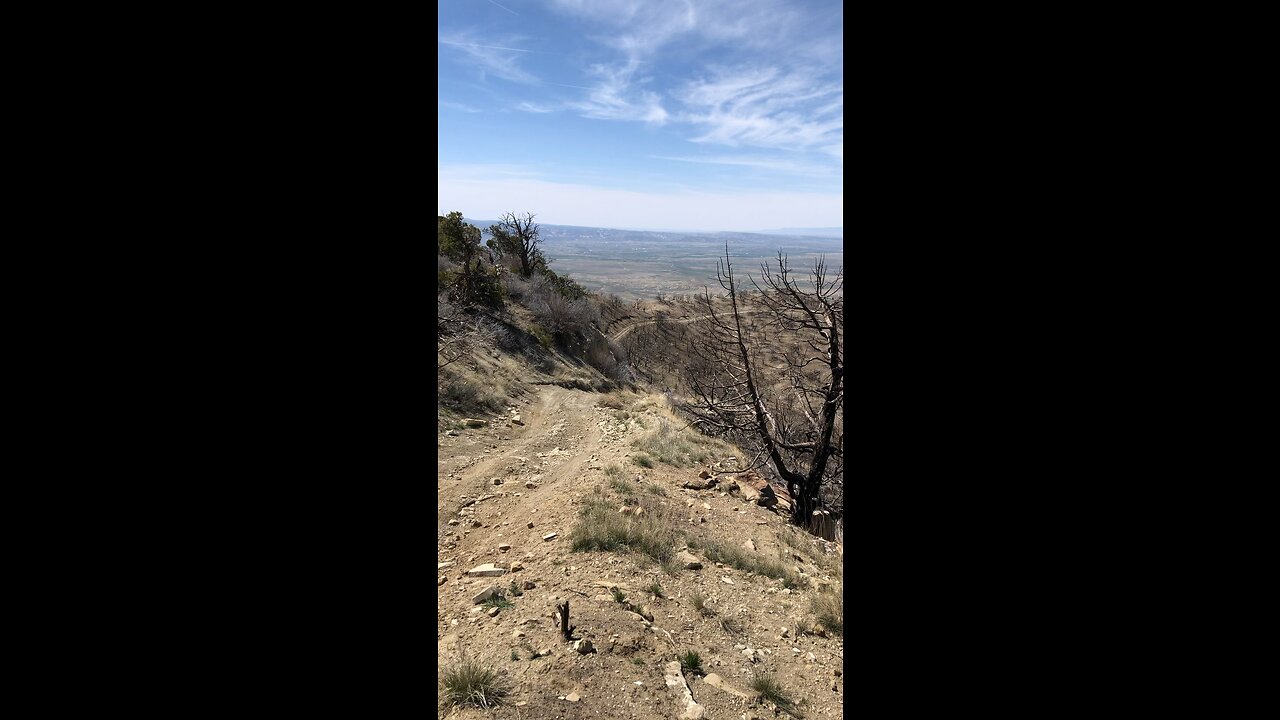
(770, 690)
(691, 661)
(741, 559)
(642, 460)
(613, 471)
(656, 590)
(829, 608)
(618, 595)
(637, 661)
(515, 589)
(611, 401)
(470, 683)
(656, 490)
(621, 486)
(602, 528)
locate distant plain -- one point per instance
(640, 265)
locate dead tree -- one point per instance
(735, 394)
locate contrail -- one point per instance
(513, 12)
(490, 47)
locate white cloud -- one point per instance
(765, 107)
(766, 163)
(448, 105)
(481, 192)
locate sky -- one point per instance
(696, 115)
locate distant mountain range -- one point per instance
(808, 232)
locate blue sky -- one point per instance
(643, 114)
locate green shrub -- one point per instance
(691, 662)
(642, 460)
(618, 595)
(656, 590)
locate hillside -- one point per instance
(521, 496)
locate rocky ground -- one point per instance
(510, 492)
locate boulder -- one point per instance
(688, 561)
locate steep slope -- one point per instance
(571, 469)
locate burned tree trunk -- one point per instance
(563, 609)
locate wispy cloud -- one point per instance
(497, 60)
(536, 108)
(765, 163)
(448, 105)
(795, 104)
(609, 99)
(765, 107)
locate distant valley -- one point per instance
(642, 264)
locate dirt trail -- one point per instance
(562, 449)
(627, 330)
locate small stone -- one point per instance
(704, 474)
(485, 594)
(441, 580)
(837, 672)
(516, 567)
(486, 570)
(493, 612)
(583, 646)
(497, 481)
(688, 560)
(530, 526)
(530, 485)
(453, 521)
(571, 697)
(749, 545)
(528, 585)
(504, 547)
(706, 506)
(516, 635)
(548, 536)
(739, 647)
(786, 632)
(726, 581)
(443, 565)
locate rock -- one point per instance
(504, 547)
(625, 510)
(517, 634)
(583, 646)
(497, 481)
(473, 422)
(837, 672)
(528, 585)
(688, 561)
(451, 433)
(544, 652)
(443, 565)
(639, 511)
(706, 506)
(453, 521)
(572, 697)
(530, 526)
(548, 537)
(675, 682)
(700, 484)
(515, 567)
(486, 570)
(516, 419)
(704, 474)
(749, 545)
(493, 612)
(441, 580)
(530, 485)
(485, 594)
(726, 581)
(716, 681)
(786, 632)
